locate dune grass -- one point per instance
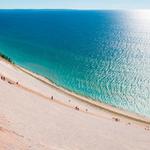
(6, 58)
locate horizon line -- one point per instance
(72, 9)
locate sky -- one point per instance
(75, 4)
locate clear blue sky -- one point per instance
(76, 4)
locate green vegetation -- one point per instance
(6, 58)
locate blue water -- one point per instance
(104, 55)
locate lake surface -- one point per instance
(104, 55)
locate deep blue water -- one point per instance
(104, 55)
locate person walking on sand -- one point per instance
(76, 108)
(3, 78)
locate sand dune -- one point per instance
(31, 119)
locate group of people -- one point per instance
(9, 81)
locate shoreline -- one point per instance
(97, 104)
(94, 103)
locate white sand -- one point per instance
(30, 120)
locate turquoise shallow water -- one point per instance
(104, 55)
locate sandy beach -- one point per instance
(37, 115)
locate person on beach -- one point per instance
(116, 119)
(77, 108)
(10, 82)
(3, 78)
